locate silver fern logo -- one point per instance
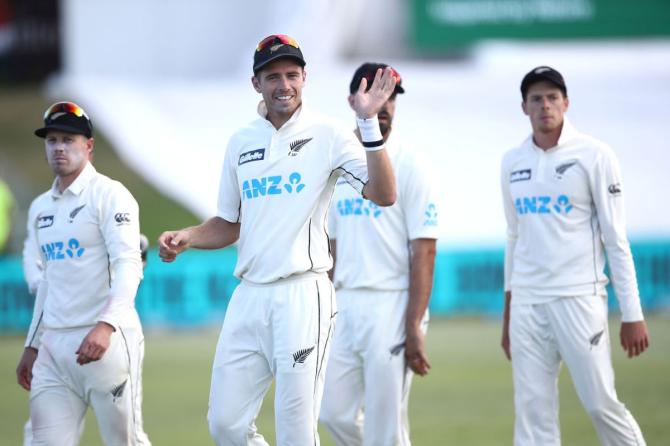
(562, 168)
(595, 339)
(117, 391)
(396, 349)
(300, 356)
(296, 145)
(75, 211)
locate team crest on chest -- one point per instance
(297, 145)
(75, 211)
(563, 167)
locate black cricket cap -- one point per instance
(368, 71)
(543, 73)
(275, 47)
(67, 117)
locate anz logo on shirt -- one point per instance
(358, 206)
(543, 205)
(272, 185)
(61, 251)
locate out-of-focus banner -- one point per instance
(29, 40)
(195, 291)
(450, 24)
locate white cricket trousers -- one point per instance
(367, 387)
(62, 390)
(574, 330)
(280, 330)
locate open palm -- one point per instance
(368, 103)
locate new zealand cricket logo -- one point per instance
(75, 211)
(296, 145)
(595, 339)
(300, 356)
(117, 391)
(560, 170)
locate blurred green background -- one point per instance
(465, 400)
(24, 165)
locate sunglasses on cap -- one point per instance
(65, 107)
(275, 39)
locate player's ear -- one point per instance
(256, 84)
(524, 108)
(566, 102)
(90, 142)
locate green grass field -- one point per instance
(466, 399)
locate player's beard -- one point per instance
(385, 124)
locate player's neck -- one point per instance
(279, 119)
(65, 181)
(545, 140)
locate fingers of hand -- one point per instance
(24, 382)
(419, 365)
(164, 239)
(89, 352)
(167, 255)
(362, 86)
(389, 81)
(177, 239)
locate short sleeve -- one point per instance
(512, 223)
(230, 201)
(348, 157)
(418, 200)
(33, 265)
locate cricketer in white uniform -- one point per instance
(278, 177)
(85, 345)
(33, 272)
(384, 259)
(563, 199)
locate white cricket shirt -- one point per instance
(89, 241)
(373, 249)
(565, 212)
(33, 265)
(278, 184)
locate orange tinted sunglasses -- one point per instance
(65, 107)
(277, 38)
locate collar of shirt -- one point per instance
(568, 132)
(78, 185)
(262, 111)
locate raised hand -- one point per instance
(368, 103)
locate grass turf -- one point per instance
(465, 400)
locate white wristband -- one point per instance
(371, 135)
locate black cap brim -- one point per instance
(42, 132)
(298, 59)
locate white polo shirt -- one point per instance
(373, 248)
(278, 184)
(33, 265)
(565, 212)
(89, 241)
